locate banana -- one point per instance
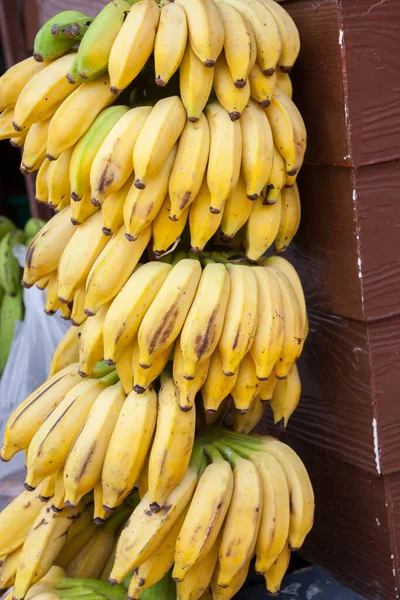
(189, 166)
(225, 155)
(172, 445)
(34, 151)
(291, 179)
(43, 283)
(205, 516)
(7, 130)
(267, 388)
(203, 325)
(237, 210)
(43, 93)
(246, 387)
(86, 149)
(48, 45)
(112, 165)
(195, 84)
(41, 189)
(165, 589)
(17, 518)
(159, 563)
(206, 29)
(18, 140)
(207, 594)
(11, 311)
(157, 137)
(202, 222)
(10, 271)
(286, 396)
(79, 256)
(217, 385)
(9, 569)
(284, 83)
(130, 306)
(124, 367)
(50, 445)
(242, 522)
(268, 341)
(266, 32)
(277, 179)
(142, 378)
(105, 573)
(246, 422)
(262, 87)
(65, 311)
(257, 151)
(113, 268)
(31, 413)
(289, 35)
(124, 460)
(167, 233)
(58, 180)
(57, 499)
(91, 348)
(187, 388)
(66, 352)
(219, 593)
(170, 42)
(232, 98)
(165, 318)
(95, 48)
(52, 303)
(82, 209)
(134, 44)
(76, 114)
(277, 571)
(46, 248)
(239, 44)
(48, 487)
(198, 578)
(13, 81)
(76, 543)
(288, 129)
(112, 209)
(142, 205)
(77, 314)
(262, 228)
(240, 318)
(290, 218)
(85, 460)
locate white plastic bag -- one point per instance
(28, 362)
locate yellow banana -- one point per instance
(240, 319)
(232, 98)
(277, 571)
(52, 302)
(195, 84)
(133, 44)
(77, 314)
(189, 166)
(48, 487)
(237, 210)
(289, 35)
(43, 283)
(58, 180)
(206, 29)
(239, 44)
(91, 348)
(41, 189)
(202, 222)
(286, 396)
(65, 311)
(172, 446)
(290, 218)
(219, 593)
(198, 578)
(124, 460)
(112, 208)
(82, 209)
(57, 499)
(17, 518)
(262, 228)
(157, 137)
(129, 307)
(7, 129)
(142, 378)
(112, 164)
(143, 480)
(113, 268)
(187, 388)
(66, 352)
(43, 93)
(124, 367)
(18, 140)
(9, 569)
(31, 413)
(277, 179)
(246, 422)
(267, 388)
(167, 233)
(262, 87)
(76, 543)
(225, 155)
(13, 81)
(76, 114)
(170, 42)
(247, 385)
(142, 205)
(85, 460)
(34, 151)
(217, 385)
(284, 83)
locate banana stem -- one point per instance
(212, 452)
(74, 592)
(243, 439)
(242, 451)
(96, 587)
(196, 460)
(231, 456)
(110, 379)
(101, 369)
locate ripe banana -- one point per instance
(225, 155)
(113, 268)
(66, 352)
(240, 318)
(206, 29)
(189, 165)
(34, 151)
(246, 422)
(7, 130)
(262, 228)
(77, 542)
(164, 319)
(286, 396)
(91, 348)
(219, 593)
(112, 208)
(17, 518)
(167, 233)
(284, 83)
(13, 81)
(277, 179)
(124, 460)
(9, 569)
(77, 314)
(195, 84)
(43, 93)
(202, 222)
(157, 137)
(232, 98)
(85, 460)
(124, 366)
(217, 385)
(262, 87)
(289, 35)
(290, 218)
(170, 42)
(41, 189)
(142, 378)
(187, 388)
(100, 515)
(247, 385)
(18, 140)
(172, 446)
(48, 487)
(58, 180)
(65, 311)
(198, 578)
(52, 303)
(83, 209)
(112, 164)
(133, 44)
(129, 307)
(277, 571)
(237, 210)
(267, 388)
(31, 413)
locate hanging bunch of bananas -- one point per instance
(214, 147)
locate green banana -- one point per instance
(48, 46)
(165, 589)
(75, 30)
(11, 310)
(10, 271)
(32, 226)
(6, 225)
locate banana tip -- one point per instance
(139, 389)
(242, 411)
(38, 57)
(286, 68)
(99, 521)
(114, 90)
(26, 285)
(50, 313)
(82, 374)
(253, 196)
(109, 361)
(155, 507)
(70, 504)
(16, 126)
(75, 197)
(265, 103)
(112, 581)
(95, 202)
(106, 231)
(82, 75)
(269, 72)
(28, 487)
(70, 79)
(75, 221)
(130, 237)
(50, 156)
(193, 119)
(214, 211)
(185, 408)
(234, 115)
(160, 81)
(240, 83)
(44, 498)
(139, 184)
(172, 217)
(209, 63)
(89, 312)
